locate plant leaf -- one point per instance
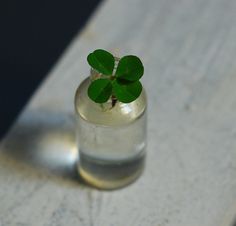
(102, 61)
(100, 90)
(130, 68)
(126, 93)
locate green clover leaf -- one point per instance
(102, 61)
(130, 68)
(100, 90)
(126, 92)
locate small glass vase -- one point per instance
(111, 138)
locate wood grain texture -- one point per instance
(189, 51)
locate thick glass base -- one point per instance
(110, 174)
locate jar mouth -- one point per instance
(104, 114)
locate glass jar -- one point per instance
(111, 138)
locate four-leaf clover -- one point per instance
(123, 83)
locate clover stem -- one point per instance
(113, 101)
(112, 77)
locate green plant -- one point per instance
(118, 83)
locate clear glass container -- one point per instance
(111, 138)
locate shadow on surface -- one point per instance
(44, 141)
(33, 36)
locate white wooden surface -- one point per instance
(189, 51)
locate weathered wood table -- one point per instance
(189, 51)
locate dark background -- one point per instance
(33, 34)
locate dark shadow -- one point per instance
(33, 36)
(234, 223)
(44, 141)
